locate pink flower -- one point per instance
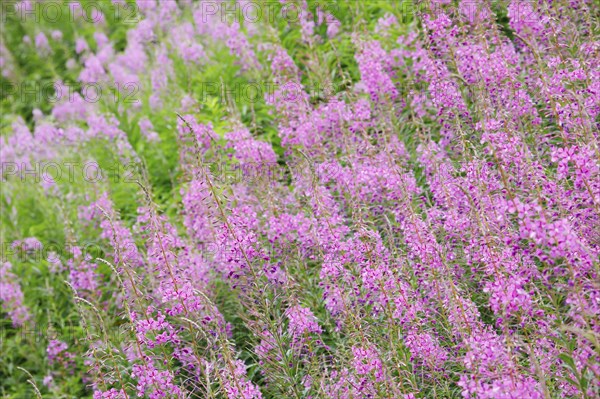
(42, 44)
(11, 296)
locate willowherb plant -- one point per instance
(427, 228)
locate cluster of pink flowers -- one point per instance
(58, 354)
(12, 296)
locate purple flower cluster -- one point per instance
(12, 296)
